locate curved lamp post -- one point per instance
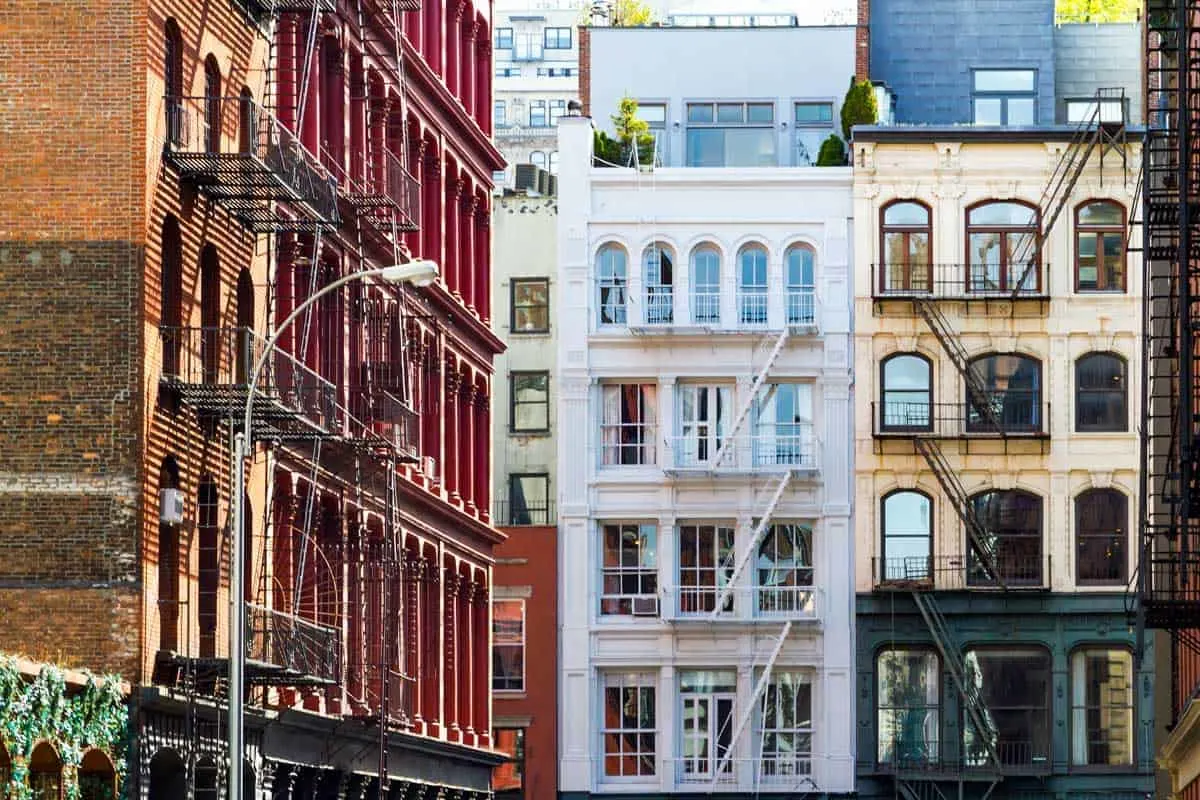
(420, 272)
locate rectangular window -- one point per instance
(500, 114)
(508, 779)
(529, 499)
(629, 425)
(908, 690)
(706, 560)
(527, 47)
(530, 305)
(1014, 685)
(630, 730)
(703, 420)
(655, 115)
(558, 108)
(508, 72)
(508, 645)
(556, 38)
(537, 114)
(629, 575)
(785, 728)
(504, 38)
(731, 135)
(1004, 96)
(1082, 110)
(813, 125)
(1102, 708)
(530, 401)
(706, 706)
(783, 429)
(555, 72)
(784, 571)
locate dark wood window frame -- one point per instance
(907, 283)
(530, 510)
(883, 393)
(1097, 533)
(513, 402)
(514, 305)
(1013, 570)
(1029, 422)
(1123, 425)
(1004, 231)
(1082, 229)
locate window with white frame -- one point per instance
(785, 727)
(813, 125)
(1102, 707)
(731, 135)
(703, 420)
(655, 116)
(705, 566)
(784, 570)
(658, 267)
(801, 285)
(499, 114)
(612, 279)
(552, 164)
(537, 114)
(783, 429)
(527, 46)
(629, 423)
(508, 645)
(706, 723)
(752, 285)
(629, 729)
(1004, 96)
(558, 108)
(706, 285)
(629, 571)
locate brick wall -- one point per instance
(585, 69)
(71, 252)
(862, 42)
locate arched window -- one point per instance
(611, 275)
(1013, 683)
(212, 105)
(538, 159)
(906, 399)
(907, 544)
(1100, 247)
(658, 269)
(247, 122)
(908, 705)
(168, 557)
(168, 779)
(245, 324)
(97, 778)
(171, 299)
(45, 773)
(904, 248)
(173, 81)
(1012, 387)
(784, 570)
(706, 285)
(210, 312)
(801, 285)
(1101, 389)
(210, 566)
(1001, 248)
(1012, 520)
(1101, 537)
(752, 285)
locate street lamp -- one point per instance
(420, 272)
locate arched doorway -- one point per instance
(168, 560)
(168, 779)
(45, 773)
(97, 778)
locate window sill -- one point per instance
(528, 334)
(508, 694)
(530, 434)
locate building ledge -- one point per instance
(1002, 134)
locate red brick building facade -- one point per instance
(182, 175)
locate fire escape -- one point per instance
(297, 641)
(988, 421)
(1168, 578)
(773, 457)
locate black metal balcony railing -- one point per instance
(1019, 413)
(505, 512)
(380, 413)
(959, 282)
(385, 194)
(262, 7)
(916, 755)
(288, 650)
(1171, 596)
(236, 153)
(950, 573)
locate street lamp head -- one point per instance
(420, 272)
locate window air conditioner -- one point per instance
(170, 506)
(645, 606)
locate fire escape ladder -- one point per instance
(751, 546)
(760, 689)
(974, 709)
(749, 400)
(978, 397)
(978, 538)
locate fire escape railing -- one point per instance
(237, 154)
(286, 649)
(962, 282)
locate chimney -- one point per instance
(585, 68)
(862, 42)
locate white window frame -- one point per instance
(640, 604)
(639, 682)
(795, 596)
(698, 596)
(518, 643)
(783, 443)
(703, 767)
(698, 438)
(785, 766)
(644, 430)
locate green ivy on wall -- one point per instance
(40, 710)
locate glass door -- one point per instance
(706, 717)
(703, 420)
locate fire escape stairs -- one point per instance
(748, 402)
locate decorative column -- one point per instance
(483, 68)
(415, 160)
(466, 72)
(483, 451)
(483, 663)
(431, 17)
(466, 657)
(453, 192)
(453, 35)
(310, 122)
(333, 104)
(285, 36)
(466, 245)
(430, 648)
(450, 428)
(467, 467)
(358, 119)
(334, 541)
(412, 636)
(355, 638)
(284, 514)
(288, 248)
(380, 108)
(450, 654)
(482, 254)
(431, 205)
